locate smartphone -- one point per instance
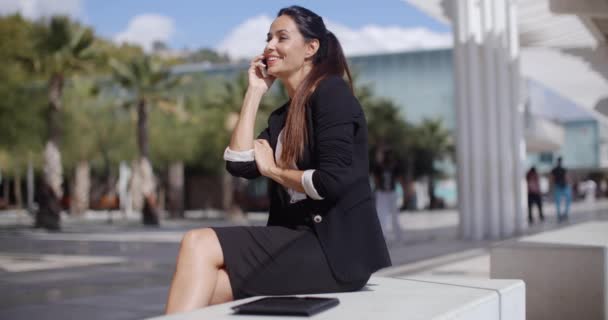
(264, 70)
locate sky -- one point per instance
(239, 27)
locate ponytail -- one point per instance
(329, 60)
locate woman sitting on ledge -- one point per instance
(323, 233)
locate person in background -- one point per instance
(534, 194)
(387, 172)
(561, 190)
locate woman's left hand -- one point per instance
(263, 156)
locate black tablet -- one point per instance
(289, 306)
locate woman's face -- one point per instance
(286, 49)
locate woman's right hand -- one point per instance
(256, 78)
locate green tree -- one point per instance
(21, 126)
(207, 55)
(96, 137)
(418, 147)
(175, 133)
(433, 142)
(146, 83)
(60, 47)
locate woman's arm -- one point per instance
(239, 154)
(242, 136)
(288, 178)
(334, 109)
(298, 180)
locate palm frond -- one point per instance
(123, 73)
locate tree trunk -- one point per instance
(143, 192)
(81, 189)
(142, 128)
(176, 189)
(5, 190)
(30, 185)
(431, 190)
(125, 176)
(17, 190)
(150, 212)
(144, 198)
(50, 201)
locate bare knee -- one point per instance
(203, 243)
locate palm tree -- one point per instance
(60, 48)
(147, 83)
(94, 131)
(432, 143)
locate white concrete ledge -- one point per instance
(411, 299)
(565, 271)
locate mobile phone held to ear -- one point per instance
(264, 70)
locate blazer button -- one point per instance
(317, 218)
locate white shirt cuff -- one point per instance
(238, 156)
(309, 188)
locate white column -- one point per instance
(474, 70)
(505, 103)
(491, 33)
(517, 108)
(489, 123)
(459, 14)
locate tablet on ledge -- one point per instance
(291, 306)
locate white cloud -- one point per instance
(34, 9)
(382, 39)
(247, 39)
(144, 29)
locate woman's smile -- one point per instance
(272, 60)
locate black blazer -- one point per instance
(349, 231)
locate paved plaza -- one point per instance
(95, 269)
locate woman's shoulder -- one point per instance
(335, 91)
(332, 84)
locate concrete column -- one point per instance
(475, 67)
(518, 106)
(489, 137)
(505, 104)
(491, 33)
(459, 18)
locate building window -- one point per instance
(546, 157)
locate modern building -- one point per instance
(560, 43)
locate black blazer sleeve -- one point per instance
(247, 169)
(334, 108)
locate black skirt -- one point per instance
(276, 260)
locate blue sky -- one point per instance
(205, 24)
(238, 27)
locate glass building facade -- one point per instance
(421, 84)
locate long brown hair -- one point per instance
(328, 60)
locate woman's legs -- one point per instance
(199, 276)
(223, 290)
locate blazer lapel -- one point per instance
(276, 124)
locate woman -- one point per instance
(534, 194)
(323, 233)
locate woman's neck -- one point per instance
(292, 81)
